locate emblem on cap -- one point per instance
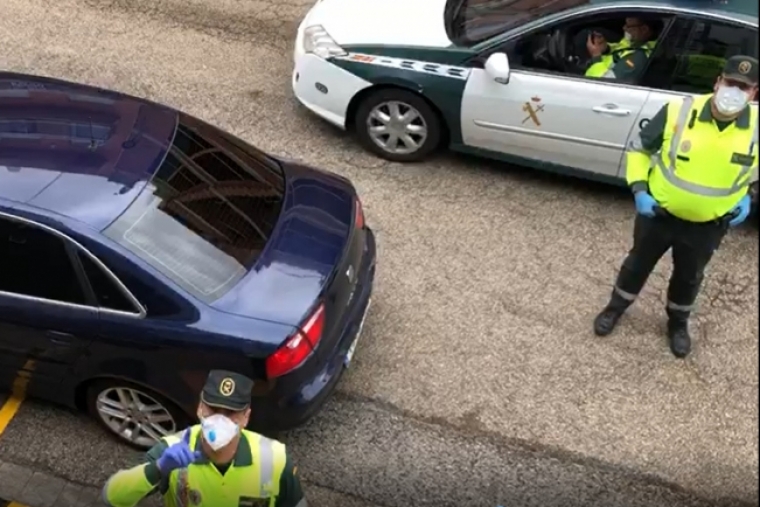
(227, 387)
(686, 146)
(744, 67)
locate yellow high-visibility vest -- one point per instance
(618, 51)
(701, 173)
(252, 479)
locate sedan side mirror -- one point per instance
(497, 66)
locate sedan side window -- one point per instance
(108, 294)
(36, 263)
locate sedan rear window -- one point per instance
(207, 214)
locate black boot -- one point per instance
(678, 335)
(605, 322)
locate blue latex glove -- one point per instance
(645, 204)
(177, 456)
(741, 211)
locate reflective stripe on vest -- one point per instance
(669, 171)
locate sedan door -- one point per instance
(44, 316)
(558, 120)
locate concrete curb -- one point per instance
(38, 489)
(32, 488)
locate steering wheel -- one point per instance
(556, 51)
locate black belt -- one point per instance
(720, 221)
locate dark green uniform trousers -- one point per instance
(692, 244)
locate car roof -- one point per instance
(74, 151)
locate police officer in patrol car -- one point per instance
(216, 463)
(689, 194)
(623, 60)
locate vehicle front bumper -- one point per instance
(268, 415)
(322, 87)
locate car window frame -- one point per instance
(576, 17)
(677, 13)
(691, 19)
(72, 247)
(453, 7)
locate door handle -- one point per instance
(60, 337)
(611, 109)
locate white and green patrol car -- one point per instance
(505, 78)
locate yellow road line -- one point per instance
(8, 411)
(13, 404)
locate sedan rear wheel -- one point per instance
(397, 125)
(134, 414)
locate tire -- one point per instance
(427, 118)
(173, 419)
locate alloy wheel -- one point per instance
(397, 127)
(135, 416)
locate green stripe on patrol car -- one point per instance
(448, 56)
(442, 84)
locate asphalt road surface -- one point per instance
(478, 380)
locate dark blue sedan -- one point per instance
(141, 247)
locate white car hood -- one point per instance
(387, 22)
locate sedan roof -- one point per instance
(75, 151)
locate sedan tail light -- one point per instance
(298, 347)
(359, 218)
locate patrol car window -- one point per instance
(107, 293)
(659, 73)
(469, 22)
(696, 54)
(36, 263)
(541, 51)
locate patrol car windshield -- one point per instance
(206, 215)
(469, 22)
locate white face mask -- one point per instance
(627, 36)
(730, 100)
(218, 430)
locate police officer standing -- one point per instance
(216, 463)
(688, 195)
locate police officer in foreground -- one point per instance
(216, 463)
(689, 194)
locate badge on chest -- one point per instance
(741, 159)
(194, 496)
(247, 501)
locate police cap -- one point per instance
(741, 68)
(227, 390)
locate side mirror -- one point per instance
(497, 66)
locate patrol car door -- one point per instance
(689, 59)
(552, 119)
